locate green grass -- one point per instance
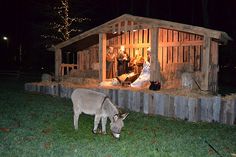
(40, 125)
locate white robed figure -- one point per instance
(143, 77)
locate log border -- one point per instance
(215, 109)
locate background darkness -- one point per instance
(23, 21)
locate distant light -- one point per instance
(5, 38)
(114, 32)
(134, 30)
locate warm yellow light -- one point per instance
(122, 48)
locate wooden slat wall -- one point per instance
(179, 47)
(86, 58)
(174, 46)
(133, 40)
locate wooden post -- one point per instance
(58, 60)
(214, 66)
(155, 65)
(102, 56)
(205, 63)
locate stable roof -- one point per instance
(128, 22)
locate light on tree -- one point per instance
(63, 25)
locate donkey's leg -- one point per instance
(76, 119)
(104, 122)
(96, 122)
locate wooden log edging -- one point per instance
(208, 109)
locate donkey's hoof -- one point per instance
(94, 131)
(104, 132)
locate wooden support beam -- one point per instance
(155, 65)
(119, 28)
(102, 56)
(214, 66)
(58, 61)
(205, 66)
(126, 26)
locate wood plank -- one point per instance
(140, 36)
(159, 104)
(181, 53)
(214, 67)
(151, 105)
(136, 38)
(135, 101)
(175, 48)
(206, 109)
(193, 110)
(126, 26)
(131, 43)
(119, 28)
(123, 39)
(206, 63)
(169, 48)
(145, 103)
(216, 108)
(164, 50)
(191, 50)
(155, 65)
(123, 99)
(145, 41)
(102, 56)
(127, 43)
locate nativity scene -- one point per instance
(133, 51)
(129, 58)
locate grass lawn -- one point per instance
(33, 124)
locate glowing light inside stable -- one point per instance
(134, 30)
(122, 48)
(114, 32)
(5, 38)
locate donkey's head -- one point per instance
(117, 124)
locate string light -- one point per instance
(65, 25)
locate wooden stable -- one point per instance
(175, 48)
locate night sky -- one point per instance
(22, 21)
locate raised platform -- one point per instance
(189, 107)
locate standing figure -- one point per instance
(123, 60)
(111, 63)
(126, 60)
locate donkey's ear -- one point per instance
(123, 116)
(115, 117)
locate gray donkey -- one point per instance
(98, 104)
